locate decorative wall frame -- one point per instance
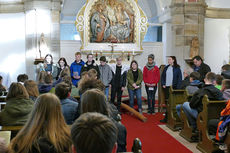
(121, 32)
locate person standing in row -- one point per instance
(62, 64)
(75, 68)
(118, 82)
(151, 76)
(134, 78)
(105, 74)
(90, 64)
(171, 76)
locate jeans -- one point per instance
(191, 114)
(132, 93)
(178, 109)
(151, 97)
(107, 93)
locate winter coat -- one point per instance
(105, 74)
(124, 70)
(204, 69)
(76, 67)
(16, 111)
(151, 76)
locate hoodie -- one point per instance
(208, 89)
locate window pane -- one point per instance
(69, 32)
(154, 34)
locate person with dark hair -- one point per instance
(171, 76)
(134, 78)
(94, 100)
(151, 76)
(2, 88)
(62, 64)
(118, 82)
(90, 64)
(106, 74)
(49, 66)
(75, 68)
(201, 67)
(45, 131)
(195, 106)
(22, 78)
(219, 79)
(225, 71)
(194, 85)
(18, 106)
(69, 107)
(86, 140)
(48, 84)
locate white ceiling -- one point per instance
(71, 7)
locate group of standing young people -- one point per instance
(117, 76)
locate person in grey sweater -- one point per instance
(106, 74)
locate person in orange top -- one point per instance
(151, 76)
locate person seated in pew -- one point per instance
(45, 131)
(192, 88)
(186, 81)
(2, 88)
(92, 73)
(48, 84)
(18, 106)
(32, 89)
(22, 78)
(99, 140)
(226, 89)
(94, 100)
(74, 91)
(69, 107)
(195, 106)
(219, 79)
(225, 71)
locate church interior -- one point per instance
(127, 30)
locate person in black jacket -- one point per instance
(201, 67)
(118, 82)
(90, 64)
(195, 106)
(225, 71)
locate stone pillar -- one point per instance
(41, 17)
(187, 22)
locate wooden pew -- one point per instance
(186, 131)
(211, 110)
(175, 97)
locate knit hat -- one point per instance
(151, 56)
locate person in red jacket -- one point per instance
(151, 76)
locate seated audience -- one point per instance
(48, 84)
(73, 88)
(2, 88)
(89, 135)
(22, 78)
(226, 89)
(18, 106)
(219, 79)
(45, 130)
(69, 107)
(41, 78)
(94, 100)
(186, 81)
(32, 89)
(225, 71)
(195, 106)
(192, 88)
(92, 73)
(87, 83)
(63, 73)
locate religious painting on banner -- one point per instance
(112, 21)
(121, 24)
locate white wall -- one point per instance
(216, 43)
(12, 44)
(218, 3)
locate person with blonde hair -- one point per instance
(32, 89)
(18, 106)
(45, 130)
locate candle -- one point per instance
(133, 51)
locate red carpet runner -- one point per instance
(153, 138)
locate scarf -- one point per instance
(150, 66)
